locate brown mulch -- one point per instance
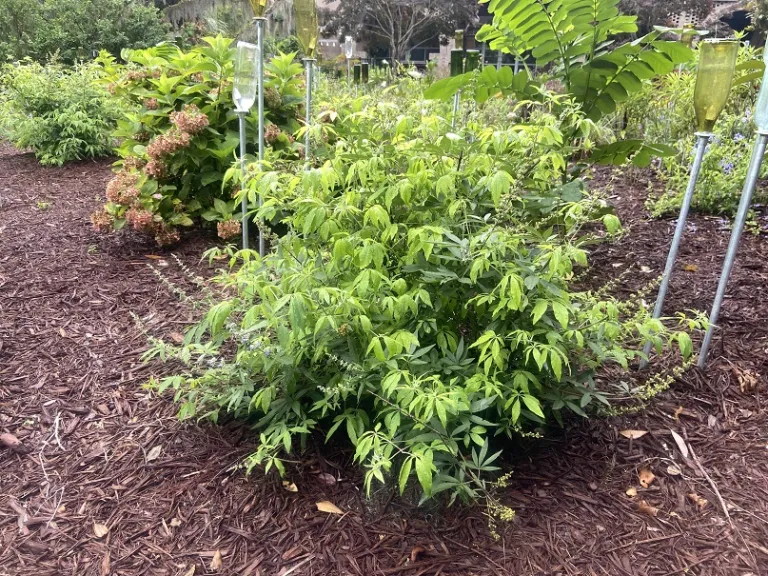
(108, 481)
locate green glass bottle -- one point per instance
(717, 64)
(457, 62)
(307, 26)
(357, 70)
(473, 60)
(364, 70)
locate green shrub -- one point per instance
(73, 29)
(181, 136)
(422, 301)
(60, 113)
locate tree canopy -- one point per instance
(400, 24)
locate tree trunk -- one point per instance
(721, 12)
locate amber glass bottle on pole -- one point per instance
(714, 77)
(307, 31)
(753, 172)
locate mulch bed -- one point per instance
(108, 481)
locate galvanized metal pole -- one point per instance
(241, 118)
(701, 146)
(498, 61)
(308, 62)
(517, 64)
(738, 227)
(349, 75)
(260, 42)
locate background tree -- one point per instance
(654, 12)
(19, 20)
(401, 24)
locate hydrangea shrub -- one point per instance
(179, 136)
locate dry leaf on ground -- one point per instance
(175, 522)
(673, 470)
(326, 478)
(680, 444)
(177, 338)
(217, 563)
(154, 454)
(100, 530)
(190, 571)
(106, 565)
(698, 500)
(290, 486)
(633, 434)
(631, 492)
(690, 267)
(328, 507)
(646, 477)
(10, 441)
(644, 508)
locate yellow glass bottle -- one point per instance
(717, 64)
(307, 26)
(259, 7)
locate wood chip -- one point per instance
(644, 508)
(700, 502)
(646, 477)
(217, 563)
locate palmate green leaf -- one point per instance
(575, 35)
(533, 404)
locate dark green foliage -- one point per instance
(575, 38)
(74, 29)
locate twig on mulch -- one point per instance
(712, 484)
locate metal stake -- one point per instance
(517, 64)
(498, 61)
(241, 118)
(701, 146)
(733, 245)
(308, 63)
(260, 42)
(349, 74)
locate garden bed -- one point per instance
(107, 481)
